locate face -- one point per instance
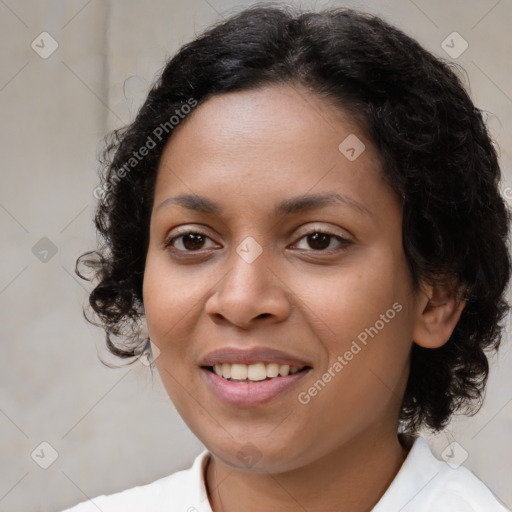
(287, 251)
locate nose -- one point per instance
(249, 293)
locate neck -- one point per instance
(352, 477)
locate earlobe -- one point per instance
(439, 310)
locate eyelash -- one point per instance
(343, 242)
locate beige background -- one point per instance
(113, 429)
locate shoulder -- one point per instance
(182, 491)
(426, 484)
(460, 490)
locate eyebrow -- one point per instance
(288, 206)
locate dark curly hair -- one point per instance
(435, 149)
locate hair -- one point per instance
(436, 154)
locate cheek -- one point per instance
(365, 320)
(354, 295)
(169, 296)
(170, 304)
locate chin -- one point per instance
(246, 455)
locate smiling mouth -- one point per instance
(254, 372)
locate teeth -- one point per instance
(254, 372)
(226, 370)
(272, 370)
(284, 370)
(239, 371)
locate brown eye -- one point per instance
(321, 241)
(193, 241)
(189, 241)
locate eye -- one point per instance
(320, 240)
(188, 241)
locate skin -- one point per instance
(248, 151)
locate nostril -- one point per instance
(264, 315)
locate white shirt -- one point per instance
(422, 484)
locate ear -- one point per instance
(439, 310)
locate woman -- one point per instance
(305, 214)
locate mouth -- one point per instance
(252, 385)
(256, 372)
(253, 376)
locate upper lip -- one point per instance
(250, 356)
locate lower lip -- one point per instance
(242, 394)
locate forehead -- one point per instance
(256, 147)
(277, 118)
